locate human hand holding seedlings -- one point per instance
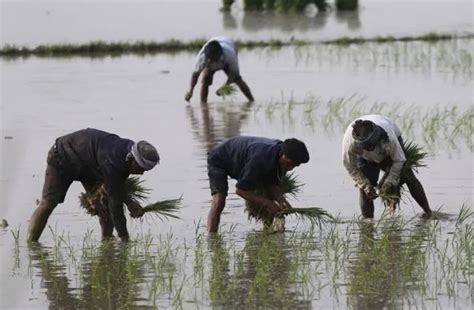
(370, 191)
(136, 211)
(389, 192)
(387, 188)
(273, 206)
(227, 89)
(284, 204)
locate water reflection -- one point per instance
(54, 280)
(212, 124)
(350, 18)
(228, 20)
(108, 276)
(388, 265)
(252, 21)
(261, 277)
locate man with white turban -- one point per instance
(372, 143)
(92, 157)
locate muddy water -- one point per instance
(72, 21)
(310, 93)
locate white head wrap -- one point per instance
(145, 154)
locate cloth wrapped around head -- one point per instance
(366, 133)
(145, 154)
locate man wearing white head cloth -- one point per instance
(372, 143)
(93, 157)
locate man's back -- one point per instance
(93, 153)
(243, 155)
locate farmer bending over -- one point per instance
(219, 53)
(251, 161)
(371, 143)
(93, 157)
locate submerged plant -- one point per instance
(95, 202)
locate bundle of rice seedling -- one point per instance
(415, 157)
(226, 90)
(164, 208)
(314, 215)
(95, 202)
(289, 186)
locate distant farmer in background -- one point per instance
(372, 143)
(251, 161)
(219, 53)
(94, 158)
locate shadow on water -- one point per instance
(109, 276)
(211, 124)
(261, 277)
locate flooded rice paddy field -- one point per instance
(397, 261)
(311, 93)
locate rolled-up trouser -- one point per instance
(217, 179)
(56, 180)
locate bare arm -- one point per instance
(245, 89)
(194, 79)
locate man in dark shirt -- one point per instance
(92, 157)
(251, 161)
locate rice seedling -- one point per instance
(385, 263)
(16, 234)
(226, 90)
(415, 157)
(464, 214)
(448, 127)
(315, 215)
(95, 202)
(429, 37)
(290, 186)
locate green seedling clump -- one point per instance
(415, 157)
(289, 186)
(96, 201)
